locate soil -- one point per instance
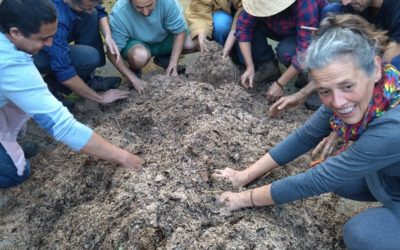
(185, 130)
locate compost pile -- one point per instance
(184, 129)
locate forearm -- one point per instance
(245, 48)
(122, 67)
(289, 74)
(177, 48)
(100, 148)
(77, 85)
(392, 51)
(264, 165)
(105, 27)
(230, 41)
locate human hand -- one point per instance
(325, 148)
(274, 92)
(140, 85)
(236, 178)
(132, 161)
(171, 70)
(232, 201)
(113, 48)
(225, 53)
(247, 78)
(286, 102)
(112, 95)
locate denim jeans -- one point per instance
(222, 23)
(374, 228)
(86, 54)
(8, 171)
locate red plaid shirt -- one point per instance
(285, 23)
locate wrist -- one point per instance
(280, 85)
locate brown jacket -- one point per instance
(199, 14)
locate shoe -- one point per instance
(30, 149)
(302, 80)
(99, 83)
(267, 71)
(313, 102)
(162, 61)
(138, 73)
(70, 105)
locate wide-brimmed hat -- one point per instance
(263, 8)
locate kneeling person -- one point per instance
(146, 28)
(26, 26)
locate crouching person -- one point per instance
(26, 27)
(146, 28)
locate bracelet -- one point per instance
(279, 84)
(251, 198)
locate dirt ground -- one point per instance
(184, 129)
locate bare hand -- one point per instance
(132, 161)
(140, 85)
(112, 95)
(286, 102)
(325, 148)
(247, 78)
(171, 70)
(274, 92)
(225, 53)
(113, 48)
(230, 200)
(235, 177)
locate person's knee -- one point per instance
(138, 57)
(355, 235)
(13, 179)
(85, 59)
(222, 23)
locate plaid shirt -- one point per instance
(285, 23)
(60, 61)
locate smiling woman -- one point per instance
(360, 97)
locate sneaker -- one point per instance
(302, 80)
(162, 61)
(313, 102)
(267, 71)
(30, 149)
(99, 83)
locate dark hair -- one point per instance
(26, 15)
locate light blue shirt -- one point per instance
(126, 23)
(22, 84)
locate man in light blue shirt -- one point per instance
(146, 28)
(26, 26)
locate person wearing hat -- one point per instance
(215, 19)
(281, 21)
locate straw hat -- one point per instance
(264, 8)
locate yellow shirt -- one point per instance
(199, 14)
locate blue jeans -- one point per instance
(375, 228)
(86, 54)
(222, 23)
(8, 171)
(263, 52)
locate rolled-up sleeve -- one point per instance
(245, 27)
(307, 14)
